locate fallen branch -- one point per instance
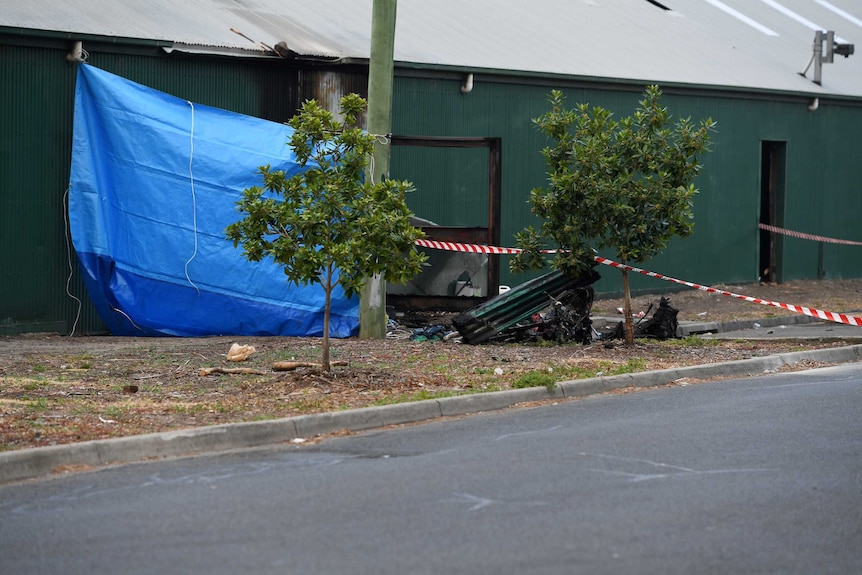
(229, 370)
(291, 365)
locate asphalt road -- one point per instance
(758, 475)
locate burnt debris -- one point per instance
(555, 306)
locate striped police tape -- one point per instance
(820, 314)
(804, 236)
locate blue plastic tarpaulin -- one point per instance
(154, 183)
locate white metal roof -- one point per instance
(760, 44)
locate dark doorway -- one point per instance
(419, 295)
(772, 168)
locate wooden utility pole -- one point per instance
(372, 299)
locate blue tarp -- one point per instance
(154, 183)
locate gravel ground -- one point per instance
(56, 390)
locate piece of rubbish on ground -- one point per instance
(431, 333)
(239, 352)
(291, 365)
(662, 325)
(639, 314)
(277, 366)
(555, 306)
(230, 370)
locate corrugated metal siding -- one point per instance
(821, 175)
(37, 92)
(36, 89)
(492, 109)
(451, 184)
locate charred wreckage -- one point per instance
(554, 307)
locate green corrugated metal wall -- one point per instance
(822, 170)
(35, 132)
(37, 95)
(821, 195)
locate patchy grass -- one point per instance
(60, 390)
(693, 341)
(536, 378)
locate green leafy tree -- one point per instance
(328, 225)
(625, 185)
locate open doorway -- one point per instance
(772, 169)
(456, 281)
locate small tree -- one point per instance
(625, 185)
(327, 225)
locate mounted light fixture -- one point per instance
(467, 86)
(77, 54)
(823, 52)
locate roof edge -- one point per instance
(201, 49)
(60, 35)
(407, 69)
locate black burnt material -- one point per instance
(515, 315)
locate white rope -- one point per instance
(69, 260)
(194, 198)
(125, 315)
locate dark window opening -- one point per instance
(772, 165)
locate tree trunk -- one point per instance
(627, 309)
(327, 289)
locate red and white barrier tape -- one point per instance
(470, 248)
(805, 236)
(820, 314)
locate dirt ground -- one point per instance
(56, 389)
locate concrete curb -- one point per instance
(38, 462)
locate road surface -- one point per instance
(759, 475)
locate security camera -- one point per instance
(843, 49)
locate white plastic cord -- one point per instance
(194, 198)
(71, 269)
(382, 139)
(69, 260)
(125, 315)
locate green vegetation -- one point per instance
(692, 341)
(557, 373)
(624, 185)
(329, 225)
(421, 396)
(38, 404)
(306, 405)
(536, 379)
(115, 411)
(34, 384)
